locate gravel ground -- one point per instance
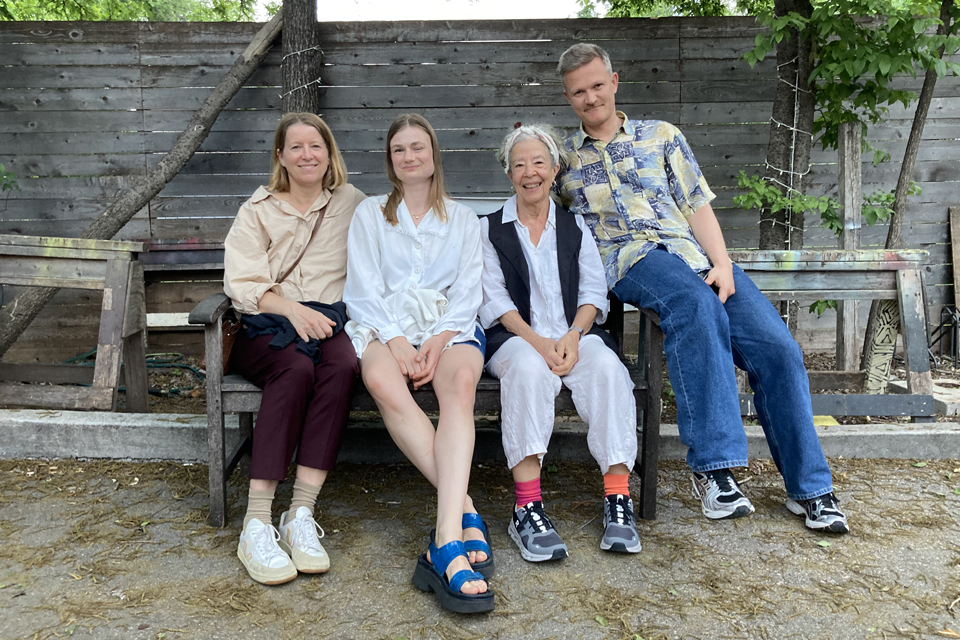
(121, 550)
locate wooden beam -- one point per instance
(851, 198)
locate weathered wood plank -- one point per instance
(70, 99)
(65, 32)
(69, 54)
(955, 252)
(80, 244)
(859, 405)
(52, 373)
(56, 397)
(66, 166)
(469, 30)
(67, 121)
(913, 328)
(70, 77)
(547, 51)
(91, 141)
(391, 97)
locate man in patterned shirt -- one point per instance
(640, 190)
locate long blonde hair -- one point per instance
(336, 175)
(437, 191)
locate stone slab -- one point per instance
(29, 433)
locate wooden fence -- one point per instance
(85, 108)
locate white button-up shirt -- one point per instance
(385, 259)
(547, 317)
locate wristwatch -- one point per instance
(574, 327)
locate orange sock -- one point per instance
(616, 484)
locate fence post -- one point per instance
(851, 198)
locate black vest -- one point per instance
(516, 273)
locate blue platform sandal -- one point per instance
(431, 577)
(474, 521)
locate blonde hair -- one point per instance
(437, 190)
(336, 175)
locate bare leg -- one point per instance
(412, 430)
(527, 469)
(455, 384)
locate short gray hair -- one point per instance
(580, 54)
(544, 133)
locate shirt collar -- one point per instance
(262, 193)
(580, 137)
(510, 212)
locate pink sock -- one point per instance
(528, 492)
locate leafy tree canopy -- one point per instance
(666, 8)
(151, 10)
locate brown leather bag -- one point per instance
(230, 327)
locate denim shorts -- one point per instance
(479, 341)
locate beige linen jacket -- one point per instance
(267, 236)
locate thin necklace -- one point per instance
(419, 216)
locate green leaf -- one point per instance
(884, 65)
(919, 465)
(824, 543)
(601, 621)
(552, 468)
(956, 490)
(672, 592)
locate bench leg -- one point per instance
(135, 373)
(652, 341)
(216, 444)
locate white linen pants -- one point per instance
(602, 393)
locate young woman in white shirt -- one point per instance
(413, 289)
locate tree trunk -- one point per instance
(301, 57)
(17, 315)
(788, 151)
(883, 324)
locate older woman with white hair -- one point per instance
(543, 291)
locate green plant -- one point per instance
(8, 180)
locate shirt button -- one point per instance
(417, 245)
(417, 270)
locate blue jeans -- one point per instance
(703, 339)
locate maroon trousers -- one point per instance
(302, 404)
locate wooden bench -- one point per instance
(107, 265)
(854, 275)
(233, 394)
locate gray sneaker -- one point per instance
(822, 513)
(619, 527)
(534, 534)
(719, 495)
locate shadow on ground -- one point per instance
(122, 550)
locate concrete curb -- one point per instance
(80, 434)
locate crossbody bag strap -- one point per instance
(313, 233)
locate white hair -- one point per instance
(542, 132)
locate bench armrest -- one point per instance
(210, 310)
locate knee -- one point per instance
(463, 383)
(528, 373)
(344, 367)
(377, 381)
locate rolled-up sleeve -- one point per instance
(465, 295)
(246, 266)
(593, 282)
(364, 289)
(687, 185)
(496, 298)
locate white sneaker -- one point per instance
(259, 553)
(298, 537)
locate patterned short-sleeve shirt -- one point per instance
(636, 192)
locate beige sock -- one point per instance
(259, 504)
(304, 495)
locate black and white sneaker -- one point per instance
(822, 513)
(619, 526)
(535, 535)
(719, 495)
